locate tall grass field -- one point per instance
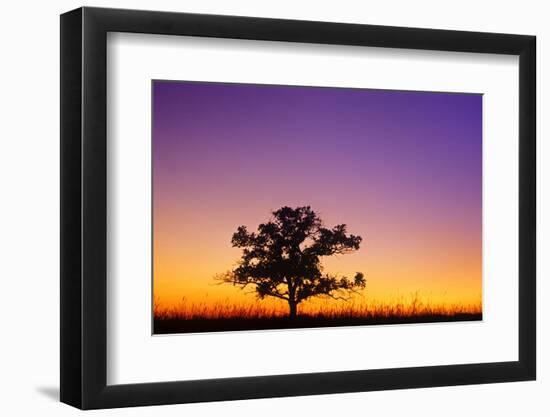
(226, 315)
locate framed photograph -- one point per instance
(257, 208)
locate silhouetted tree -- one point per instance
(283, 258)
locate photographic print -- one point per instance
(278, 207)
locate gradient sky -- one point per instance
(401, 169)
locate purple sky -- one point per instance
(393, 164)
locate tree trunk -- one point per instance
(292, 304)
(293, 309)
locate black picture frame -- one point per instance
(84, 208)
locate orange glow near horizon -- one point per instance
(397, 258)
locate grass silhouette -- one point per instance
(225, 315)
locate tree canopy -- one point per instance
(282, 259)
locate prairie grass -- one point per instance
(401, 308)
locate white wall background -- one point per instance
(29, 226)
